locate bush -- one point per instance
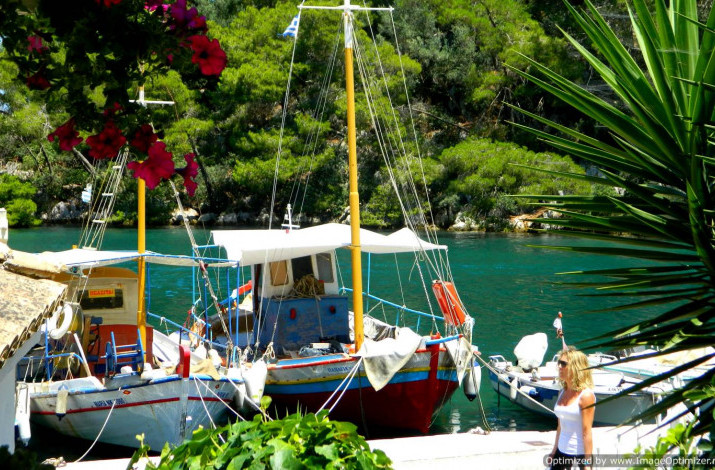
(16, 196)
(294, 442)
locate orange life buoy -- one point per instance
(448, 302)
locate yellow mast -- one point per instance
(356, 254)
(141, 267)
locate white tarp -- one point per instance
(261, 246)
(84, 258)
(382, 359)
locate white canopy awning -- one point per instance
(261, 246)
(84, 258)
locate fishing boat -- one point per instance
(538, 389)
(320, 349)
(103, 373)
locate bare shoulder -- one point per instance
(587, 398)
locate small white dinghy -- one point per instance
(536, 388)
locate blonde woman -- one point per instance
(574, 443)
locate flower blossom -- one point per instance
(37, 82)
(158, 166)
(108, 3)
(116, 107)
(152, 5)
(35, 44)
(208, 54)
(67, 135)
(144, 137)
(186, 19)
(107, 143)
(188, 172)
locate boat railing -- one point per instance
(182, 329)
(400, 310)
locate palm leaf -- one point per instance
(661, 152)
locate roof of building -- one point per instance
(25, 302)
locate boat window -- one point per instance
(279, 273)
(94, 299)
(301, 267)
(325, 267)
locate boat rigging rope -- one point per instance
(114, 402)
(203, 270)
(349, 378)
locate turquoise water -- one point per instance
(510, 288)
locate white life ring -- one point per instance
(58, 331)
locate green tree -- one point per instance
(661, 154)
(16, 197)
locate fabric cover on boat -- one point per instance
(461, 353)
(382, 359)
(262, 246)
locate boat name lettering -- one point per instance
(99, 293)
(339, 369)
(118, 401)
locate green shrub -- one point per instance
(16, 196)
(294, 442)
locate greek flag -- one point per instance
(292, 29)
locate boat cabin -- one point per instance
(298, 303)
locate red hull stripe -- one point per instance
(128, 405)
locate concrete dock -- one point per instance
(508, 450)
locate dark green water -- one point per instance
(509, 288)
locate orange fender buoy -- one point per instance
(448, 302)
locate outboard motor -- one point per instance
(530, 351)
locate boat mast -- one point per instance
(356, 253)
(141, 235)
(355, 248)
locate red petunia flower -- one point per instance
(208, 55)
(144, 137)
(158, 166)
(116, 107)
(107, 143)
(35, 44)
(67, 135)
(188, 172)
(108, 3)
(37, 82)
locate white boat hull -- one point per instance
(156, 409)
(544, 395)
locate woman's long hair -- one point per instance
(581, 377)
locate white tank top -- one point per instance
(571, 436)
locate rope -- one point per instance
(349, 378)
(488, 366)
(202, 268)
(114, 402)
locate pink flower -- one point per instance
(67, 135)
(107, 143)
(144, 137)
(158, 166)
(186, 19)
(37, 82)
(108, 3)
(208, 55)
(35, 44)
(152, 5)
(188, 172)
